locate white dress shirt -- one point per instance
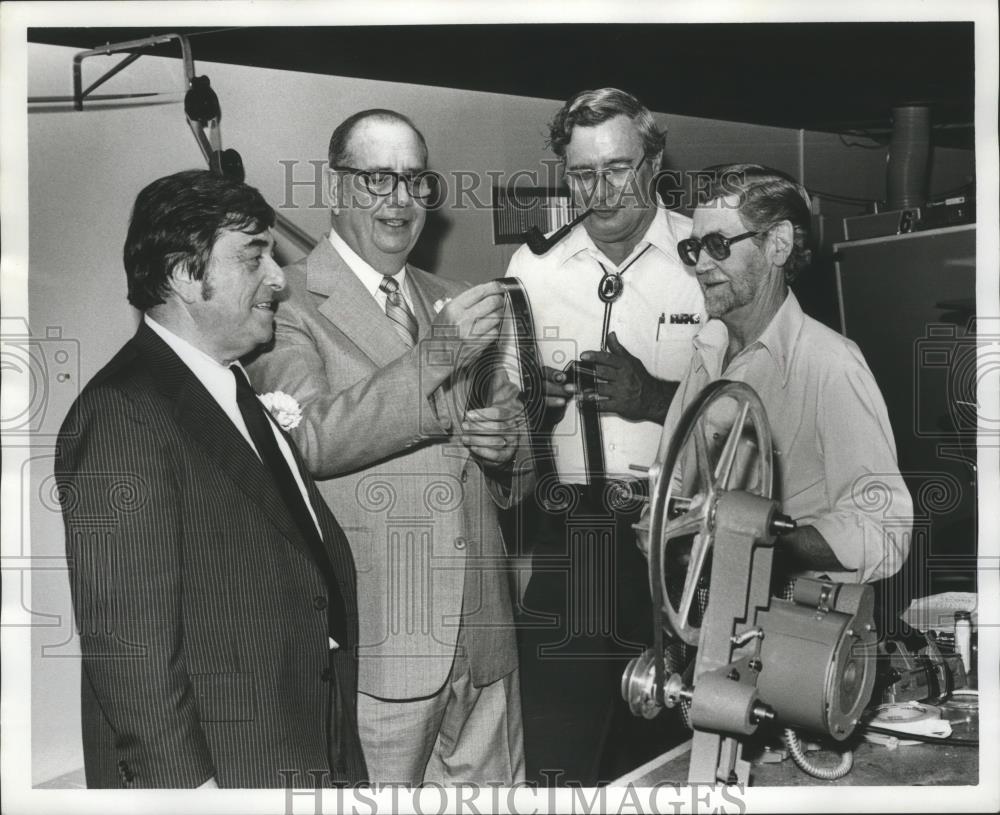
(369, 277)
(660, 310)
(219, 382)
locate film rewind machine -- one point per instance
(806, 663)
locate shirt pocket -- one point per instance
(224, 697)
(672, 357)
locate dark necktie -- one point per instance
(399, 312)
(259, 426)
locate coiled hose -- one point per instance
(826, 773)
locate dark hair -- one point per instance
(338, 152)
(590, 108)
(177, 219)
(766, 197)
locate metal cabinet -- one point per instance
(908, 301)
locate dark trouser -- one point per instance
(585, 613)
(344, 752)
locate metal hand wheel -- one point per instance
(723, 442)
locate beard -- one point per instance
(727, 297)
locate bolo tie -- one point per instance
(609, 290)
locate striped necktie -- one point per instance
(399, 312)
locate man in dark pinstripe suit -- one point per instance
(214, 591)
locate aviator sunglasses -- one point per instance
(714, 243)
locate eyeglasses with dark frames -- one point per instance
(616, 175)
(421, 185)
(714, 243)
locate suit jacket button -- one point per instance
(319, 602)
(125, 772)
(327, 675)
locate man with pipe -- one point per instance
(615, 290)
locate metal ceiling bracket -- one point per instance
(293, 231)
(79, 94)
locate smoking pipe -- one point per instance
(539, 244)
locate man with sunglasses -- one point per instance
(833, 445)
(372, 349)
(616, 292)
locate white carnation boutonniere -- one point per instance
(440, 304)
(283, 408)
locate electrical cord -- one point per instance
(899, 734)
(850, 199)
(847, 199)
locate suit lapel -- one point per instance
(201, 417)
(350, 307)
(354, 312)
(425, 291)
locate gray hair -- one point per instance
(766, 197)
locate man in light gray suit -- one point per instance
(375, 352)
